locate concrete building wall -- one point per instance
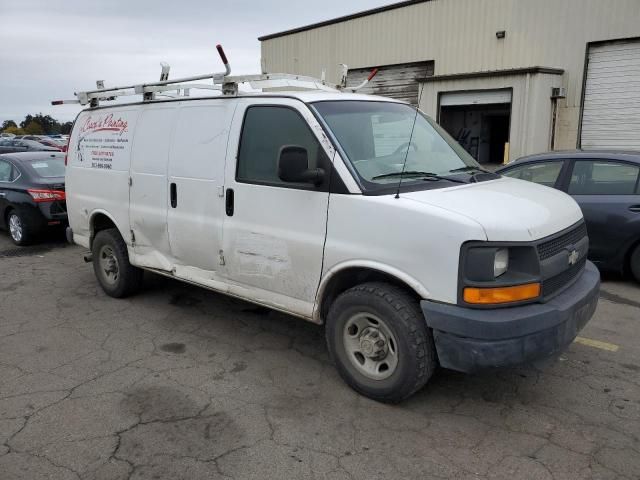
(460, 36)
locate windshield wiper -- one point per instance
(469, 168)
(412, 173)
(478, 174)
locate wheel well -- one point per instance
(626, 267)
(100, 222)
(5, 214)
(350, 277)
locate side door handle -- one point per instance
(229, 202)
(635, 208)
(174, 195)
(2, 194)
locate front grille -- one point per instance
(553, 285)
(554, 246)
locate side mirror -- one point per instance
(293, 166)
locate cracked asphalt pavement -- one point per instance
(182, 383)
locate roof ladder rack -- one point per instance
(221, 82)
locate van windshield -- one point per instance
(377, 137)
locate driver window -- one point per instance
(265, 131)
(544, 173)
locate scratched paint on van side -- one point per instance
(261, 255)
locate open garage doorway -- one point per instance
(479, 121)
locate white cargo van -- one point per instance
(346, 210)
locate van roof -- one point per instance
(305, 96)
(309, 96)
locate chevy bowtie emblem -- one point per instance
(574, 256)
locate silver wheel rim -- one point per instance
(108, 265)
(15, 227)
(371, 346)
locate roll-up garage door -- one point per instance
(611, 109)
(394, 81)
(477, 97)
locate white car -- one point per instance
(336, 208)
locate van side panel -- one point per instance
(414, 242)
(196, 171)
(149, 191)
(97, 174)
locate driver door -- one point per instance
(274, 231)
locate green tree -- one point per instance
(7, 124)
(27, 120)
(65, 128)
(33, 128)
(48, 124)
(15, 130)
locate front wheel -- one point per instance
(379, 341)
(117, 277)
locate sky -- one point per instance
(52, 48)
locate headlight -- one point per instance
(500, 262)
(498, 274)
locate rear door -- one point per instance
(148, 197)
(274, 231)
(196, 186)
(609, 196)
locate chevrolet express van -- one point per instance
(347, 210)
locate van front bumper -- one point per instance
(471, 339)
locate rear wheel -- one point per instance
(19, 228)
(117, 277)
(379, 341)
(634, 263)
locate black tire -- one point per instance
(634, 263)
(416, 356)
(126, 279)
(25, 233)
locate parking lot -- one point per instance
(179, 382)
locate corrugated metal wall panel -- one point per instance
(611, 114)
(460, 36)
(395, 81)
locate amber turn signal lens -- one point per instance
(488, 296)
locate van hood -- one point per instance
(507, 209)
